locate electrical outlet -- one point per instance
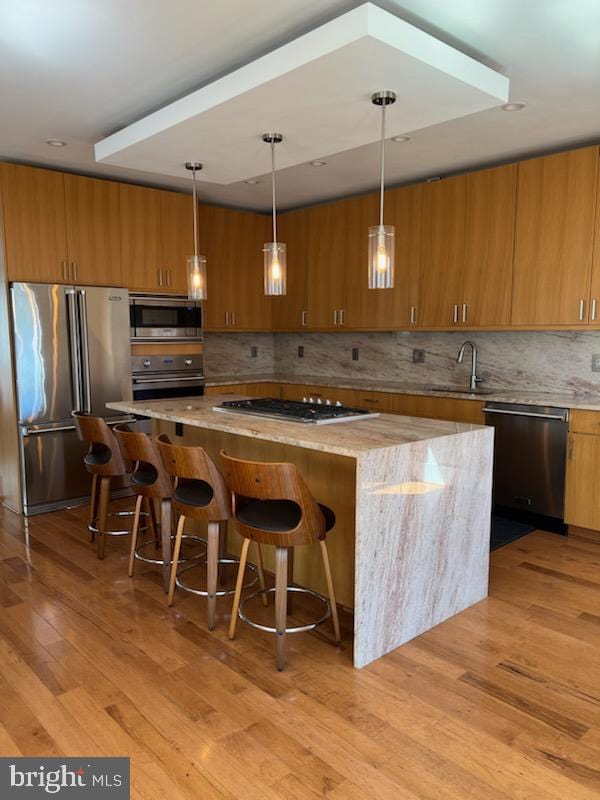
(355, 354)
(596, 362)
(253, 351)
(300, 351)
(418, 356)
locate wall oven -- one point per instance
(156, 318)
(165, 376)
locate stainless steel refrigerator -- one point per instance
(71, 352)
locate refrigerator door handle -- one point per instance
(76, 391)
(85, 353)
(42, 431)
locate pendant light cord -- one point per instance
(194, 203)
(382, 162)
(273, 188)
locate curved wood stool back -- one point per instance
(200, 493)
(297, 519)
(103, 461)
(149, 481)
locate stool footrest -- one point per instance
(159, 561)
(310, 626)
(93, 525)
(221, 592)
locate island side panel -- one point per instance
(332, 480)
(422, 537)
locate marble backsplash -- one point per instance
(548, 361)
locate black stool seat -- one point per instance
(278, 515)
(193, 492)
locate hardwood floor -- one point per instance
(502, 701)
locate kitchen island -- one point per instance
(412, 499)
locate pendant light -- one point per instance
(274, 252)
(381, 237)
(196, 264)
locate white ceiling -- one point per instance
(316, 91)
(80, 70)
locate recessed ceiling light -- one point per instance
(400, 139)
(251, 181)
(55, 142)
(318, 163)
(513, 106)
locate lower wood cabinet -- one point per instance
(582, 494)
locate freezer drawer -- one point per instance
(52, 468)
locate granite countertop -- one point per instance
(559, 399)
(344, 438)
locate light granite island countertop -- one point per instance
(412, 499)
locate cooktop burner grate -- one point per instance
(294, 410)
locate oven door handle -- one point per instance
(197, 378)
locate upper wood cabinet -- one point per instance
(233, 243)
(384, 308)
(140, 237)
(35, 229)
(290, 311)
(176, 239)
(556, 202)
(93, 230)
(467, 248)
(328, 246)
(61, 227)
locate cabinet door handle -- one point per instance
(233, 318)
(303, 316)
(64, 271)
(581, 310)
(335, 316)
(455, 315)
(168, 274)
(160, 277)
(413, 315)
(227, 319)
(342, 316)
(594, 310)
(464, 312)
(570, 449)
(74, 270)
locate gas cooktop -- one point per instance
(295, 410)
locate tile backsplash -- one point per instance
(553, 361)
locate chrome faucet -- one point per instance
(474, 380)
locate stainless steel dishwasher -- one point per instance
(530, 456)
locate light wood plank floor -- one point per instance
(503, 701)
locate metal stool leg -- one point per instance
(103, 514)
(261, 574)
(238, 587)
(222, 549)
(281, 579)
(93, 505)
(176, 551)
(331, 592)
(165, 533)
(134, 534)
(153, 520)
(212, 565)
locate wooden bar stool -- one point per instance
(201, 493)
(273, 505)
(149, 481)
(104, 462)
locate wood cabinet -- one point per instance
(93, 231)
(582, 493)
(250, 389)
(233, 243)
(290, 311)
(328, 248)
(176, 241)
(556, 202)
(467, 249)
(61, 228)
(35, 229)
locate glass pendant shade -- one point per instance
(275, 268)
(196, 273)
(381, 257)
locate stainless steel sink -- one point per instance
(458, 390)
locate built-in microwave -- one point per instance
(165, 318)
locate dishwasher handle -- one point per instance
(560, 417)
